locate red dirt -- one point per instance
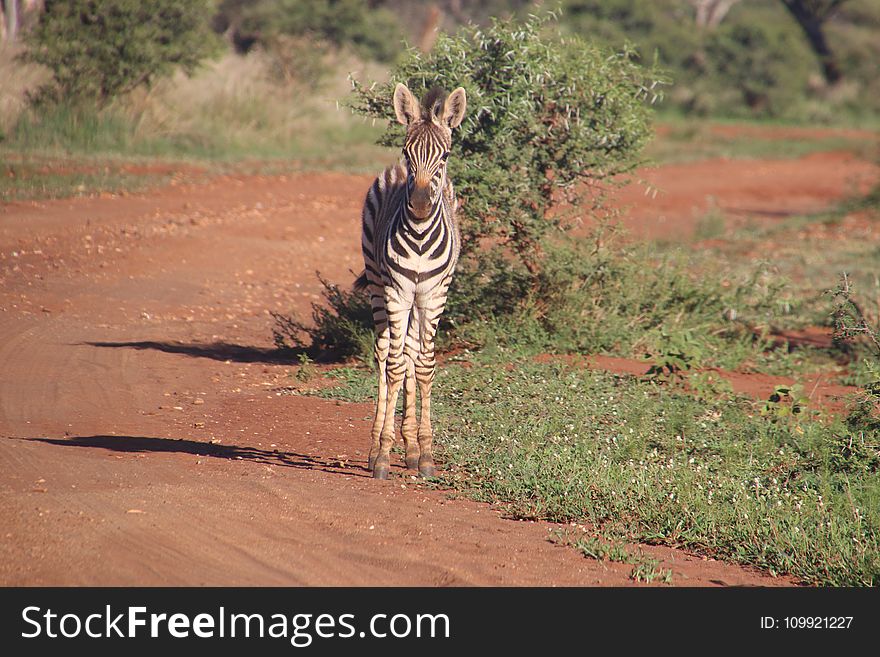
(142, 441)
(816, 387)
(667, 202)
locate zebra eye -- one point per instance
(445, 156)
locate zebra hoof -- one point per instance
(427, 469)
(412, 462)
(381, 472)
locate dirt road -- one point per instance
(142, 441)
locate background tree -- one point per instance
(765, 64)
(367, 28)
(100, 49)
(812, 15)
(710, 13)
(16, 15)
(754, 62)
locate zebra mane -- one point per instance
(432, 103)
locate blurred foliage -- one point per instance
(100, 49)
(372, 32)
(762, 67)
(756, 63)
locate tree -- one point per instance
(766, 63)
(372, 32)
(16, 15)
(10, 8)
(812, 15)
(710, 13)
(100, 49)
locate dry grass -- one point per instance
(233, 109)
(240, 106)
(18, 78)
(247, 113)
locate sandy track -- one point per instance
(142, 442)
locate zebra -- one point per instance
(410, 243)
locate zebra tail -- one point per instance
(361, 283)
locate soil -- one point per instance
(819, 388)
(668, 202)
(144, 438)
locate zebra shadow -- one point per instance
(156, 445)
(222, 351)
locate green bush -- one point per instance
(622, 300)
(341, 327)
(857, 326)
(756, 63)
(853, 35)
(664, 28)
(100, 49)
(548, 120)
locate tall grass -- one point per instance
(17, 80)
(237, 108)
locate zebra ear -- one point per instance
(405, 105)
(453, 109)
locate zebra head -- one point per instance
(428, 140)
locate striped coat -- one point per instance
(410, 243)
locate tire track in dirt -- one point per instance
(40, 382)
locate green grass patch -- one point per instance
(692, 140)
(644, 569)
(352, 384)
(806, 254)
(315, 142)
(31, 177)
(66, 152)
(795, 493)
(711, 225)
(630, 301)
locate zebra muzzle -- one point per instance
(420, 202)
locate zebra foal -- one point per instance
(410, 243)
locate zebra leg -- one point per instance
(398, 320)
(426, 434)
(382, 341)
(425, 368)
(409, 427)
(380, 320)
